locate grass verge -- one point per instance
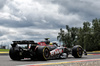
(4, 50)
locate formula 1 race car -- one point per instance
(42, 50)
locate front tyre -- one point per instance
(77, 51)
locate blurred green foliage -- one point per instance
(87, 36)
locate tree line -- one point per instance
(87, 36)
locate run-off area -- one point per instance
(88, 62)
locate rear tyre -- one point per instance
(77, 51)
(43, 53)
(14, 53)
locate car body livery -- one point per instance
(42, 51)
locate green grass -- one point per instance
(4, 50)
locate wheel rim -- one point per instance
(79, 51)
(46, 53)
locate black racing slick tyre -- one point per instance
(43, 53)
(77, 51)
(14, 54)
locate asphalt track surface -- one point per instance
(6, 61)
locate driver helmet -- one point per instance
(51, 43)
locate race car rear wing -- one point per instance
(23, 42)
